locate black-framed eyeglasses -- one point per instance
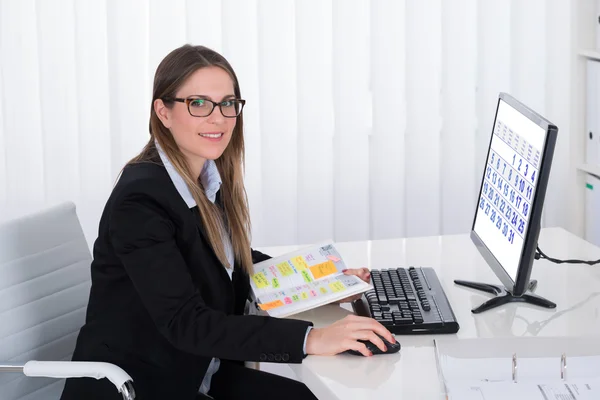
(201, 107)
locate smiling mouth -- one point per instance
(211, 135)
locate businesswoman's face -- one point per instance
(199, 133)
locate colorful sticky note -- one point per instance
(299, 263)
(304, 295)
(307, 276)
(270, 305)
(295, 297)
(323, 290)
(333, 258)
(323, 269)
(260, 280)
(275, 283)
(285, 268)
(337, 286)
(288, 300)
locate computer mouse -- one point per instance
(391, 347)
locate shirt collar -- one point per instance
(209, 176)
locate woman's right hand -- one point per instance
(344, 334)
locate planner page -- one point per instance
(302, 280)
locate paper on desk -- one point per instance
(530, 369)
(481, 369)
(524, 391)
(490, 360)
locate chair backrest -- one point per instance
(44, 291)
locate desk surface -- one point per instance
(412, 373)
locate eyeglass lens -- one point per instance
(203, 108)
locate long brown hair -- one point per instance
(170, 75)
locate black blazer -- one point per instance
(161, 304)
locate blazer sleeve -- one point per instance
(143, 237)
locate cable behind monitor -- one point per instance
(541, 255)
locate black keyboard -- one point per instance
(408, 301)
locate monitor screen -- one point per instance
(509, 186)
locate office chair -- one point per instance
(44, 290)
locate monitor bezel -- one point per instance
(519, 287)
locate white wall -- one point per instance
(365, 119)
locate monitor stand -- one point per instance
(503, 296)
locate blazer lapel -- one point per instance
(199, 224)
(224, 274)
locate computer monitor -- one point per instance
(507, 219)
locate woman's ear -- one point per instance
(163, 113)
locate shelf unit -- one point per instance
(591, 54)
(590, 169)
(585, 34)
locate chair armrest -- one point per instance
(77, 369)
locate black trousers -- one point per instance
(234, 381)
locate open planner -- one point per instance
(529, 368)
(302, 280)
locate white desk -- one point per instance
(412, 374)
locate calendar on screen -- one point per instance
(509, 186)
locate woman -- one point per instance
(170, 271)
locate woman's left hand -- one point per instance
(362, 273)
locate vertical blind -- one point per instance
(364, 119)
